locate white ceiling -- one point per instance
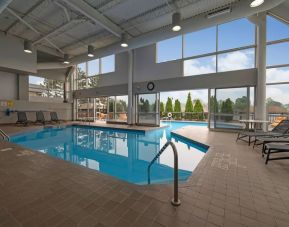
(135, 17)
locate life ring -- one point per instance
(150, 86)
(170, 115)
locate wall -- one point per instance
(15, 87)
(8, 86)
(12, 56)
(64, 110)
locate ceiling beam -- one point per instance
(67, 15)
(94, 15)
(58, 29)
(4, 4)
(38, 4)
(32, 28)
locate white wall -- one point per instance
(8, 86)
(12, 56)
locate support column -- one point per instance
(260, 110)
(131, 106)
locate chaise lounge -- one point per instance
(278, 131)
(273, 148)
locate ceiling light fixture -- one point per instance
(176, 19)
(219, 12)
(27, 47)
(256, 3)
(124, 40)
(90, 51)
(65, 59)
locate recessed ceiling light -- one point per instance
(176, 19)
(256, 3)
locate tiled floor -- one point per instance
(231, 187)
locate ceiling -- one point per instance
(61, 28)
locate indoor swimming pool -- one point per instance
(124, 154)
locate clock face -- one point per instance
(150, 86)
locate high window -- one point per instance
(225, 47)
(277, 76)
(43, 87)
(88, 72)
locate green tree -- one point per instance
(53, 88)
(169, 105)
(199, 110)
(214, 105)
(227, 108)
(189, 107)
(177, 109)
(241, 104)
(162, 109)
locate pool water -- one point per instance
(124, 154)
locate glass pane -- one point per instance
(236, 34)
(121, 108)
(82, 108)
(200, 66)
(200, 42)
(277, 75)
(277, 54)
(36, 80)
(241, 59)
(81, 70)
(148, 112)
(276, 29)
(108, 64)
(81, 84)
(170, 49)
(93, 67)
(277, 101)
(231, 105)
(92, 82)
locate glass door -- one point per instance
(148, 109)
(228, 106)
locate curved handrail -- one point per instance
(175, 201)
(4, 135)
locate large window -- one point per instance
(277, 77)
(88, 72)
(231, 46)
(39, 86)
(170, 49)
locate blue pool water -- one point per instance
(124, 154)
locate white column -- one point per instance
(260, 110)
(131, 107)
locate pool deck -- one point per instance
(230, 187)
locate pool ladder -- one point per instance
(4, 135)
(175, 201)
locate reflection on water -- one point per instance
(120, 153)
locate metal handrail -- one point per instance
(175, 201)
(4, 135)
